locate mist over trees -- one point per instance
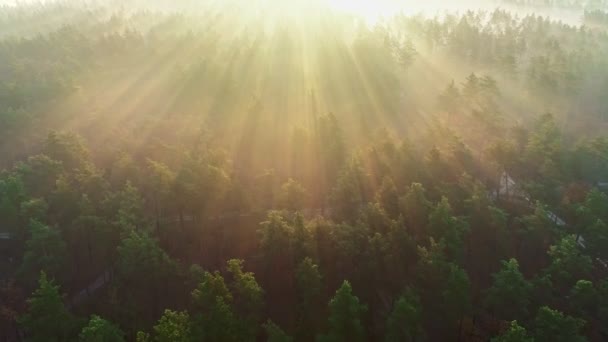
(217, 171)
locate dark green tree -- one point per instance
(509, 296)
(515, 333)
(416, 209)
(584, 299)
(404, 322)
(275, 334)
(248, 298)
(309, 286)
(173, 326)
(552, 325)
(100, 330)
(345, 318)
(568, 263)
(293, 195)
(46, 318)
(44, 251)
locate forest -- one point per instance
(305, 170)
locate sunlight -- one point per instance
(369, 10)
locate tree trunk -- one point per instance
(89, 247)
(459, 329)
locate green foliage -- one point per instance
(388, 197)
(129, 215)
(509, 296)
(142, 337)
(584, 298)
(220, 324)
(568, 262)
(189, 123)
(416, 209)
(404, 322)
(309, 287)
(45, 251)
(552, 325)
(275, 333)
(173, 326)
(67, 148)
(515, 333)
(248, 297)
(100, 330)
(209, 289)
(46, 318)
(12, 194)
(444, 226)
(456, 294)
(302, 239)
(293, 195)
(308, 281)
(275, 237)
(345, 318)
(349, 192)
(141, 260)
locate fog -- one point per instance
(373, 10)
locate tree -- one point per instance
(248, 298)
(100, 330)
(388, 197)
(404, 322)
(301, 240)
(568, 263)
(39, 174)
(515, 333)
(44, 251)
(503, 154)
(214, 319)
(12, 304)
(142, 337)
(160, 180)
(173, 326)
(34, 209)
(602, 302)
(89, 181)
(349, 192)
(331, 146)
(12, 194)
(46, 318)
(508, 298)
(141, 259)
(275, 334)
(471, 88)
(129, 215)
(143, 270)
(545, 139)
(416, 209)
(345, 317)
(220, 324)
(448, 228)
(209, 289)
(67, 148)
(293, 195)
(457, 295)
(123, 169)
(552, 325)
(308, 283)
(450, 99)
(275, 239)
(198, 184)
(584, 298)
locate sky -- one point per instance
(374, 10)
